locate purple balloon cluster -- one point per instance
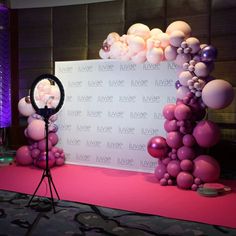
(35, 152)
(181, 155)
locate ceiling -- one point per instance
(17, 4)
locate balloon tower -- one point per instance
(35, 152)
(181, 154)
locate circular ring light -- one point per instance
(47, 95)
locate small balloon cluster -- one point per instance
(35, 152)
(181, 158)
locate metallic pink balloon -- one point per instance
(157, 147)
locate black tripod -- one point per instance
(46, 113)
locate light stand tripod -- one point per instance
(46, 113)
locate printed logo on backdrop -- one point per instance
(112, 109)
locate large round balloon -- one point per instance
(36, 130)
(181, 26)
(25, 107)
(23, 156)
(184, 180)
(206, 168)
(217, 94)
(160, 170)
(157, 147)
(206, 133)
(173, 168)
(169, 111)
(174, 139)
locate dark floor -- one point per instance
(81, 219)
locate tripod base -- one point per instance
(46, 174)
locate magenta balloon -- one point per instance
(60, 161)
(186, 165)
(166, 160)
(170, 125)
(173, 168)
(35, 153)
(41, 161)
(23, 156)
(206, 168)
(183, 112)
(184, 180)
(206, 133)
(182, 92)
(189, 140)
(174, 139)
(168, 111)
(42, 145)
(36, 130)
(160, 171)
(157, 147)
(217, 94)
(186, 152)
(53, 138)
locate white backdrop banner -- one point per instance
(111, 110)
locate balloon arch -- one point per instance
(181, 158)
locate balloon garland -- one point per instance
(181, 158)
(35, 152)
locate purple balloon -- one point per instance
(208, 54)
(157, 147)
(177, 84)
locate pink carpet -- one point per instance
(125, 190)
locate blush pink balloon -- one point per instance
(201, 69)
(23, 156)
(184, 77)
(182, 58)
(194, 44)
(139, 58)
(36, 130)
(182, 92)
(181, 26)
(140, 30)
(176, 38)
(174, 139)
(170, 53)
(206, 168)
(217, 94)
(160, 171)
(169, 111)
(157, 147)
(155, 55)
(184, 180)
(206, 133)
(25, 107)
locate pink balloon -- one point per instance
(206, 133)
(194, 44)
(181, 26)
(41, 161)
(155, 55)
(60, 161)
(189, 140)
(217, 94)
(183, 112)
(53, 137)
(170, 125)
(174, 139)
(176, 38)
(184, 77)
(168, 111)
(173, 168)
(23, 156)
(184, 180)
(157, 147)
(185, 152)
(140, 57)
(25, 107)
(164, 39)
(35, 153)
(170, 53)
(36, 130)
(186, 165)
(42, 145)
(140, 30)
(166, 160)
(160, 171)
(206, 168)
(182, 58)
(201, 69)
(136, 44)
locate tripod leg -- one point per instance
(50, 187)
(36, 188)
(54, 187)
